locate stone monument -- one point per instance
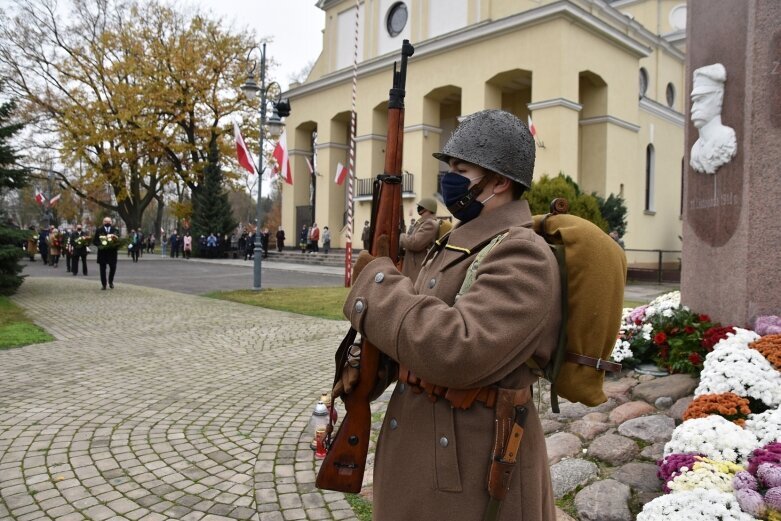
(732, 216)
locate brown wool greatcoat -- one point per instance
(416, 244)
(432, 460)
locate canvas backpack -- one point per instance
(592, 268)
(444, 228)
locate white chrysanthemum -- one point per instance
(713, 436)
(621, 350)
(694, 505)
(741, 338)
(765, 426)
(745, 372)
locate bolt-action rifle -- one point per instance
(343, 467)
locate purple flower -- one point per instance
(770, 474)
(768, 325)
(670, 467)
(744, 480)
(638, 313)
(773, 498)
(770, 453)
(751, 502)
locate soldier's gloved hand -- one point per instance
(350, 372)
(383, 247)
(346, 384)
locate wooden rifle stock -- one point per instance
(344, 465)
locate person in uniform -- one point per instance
(419, 239)
(366, 235)
(106, 256)
(479, 341)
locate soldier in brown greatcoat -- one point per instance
(433, 456)
(417, 241)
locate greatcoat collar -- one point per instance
(468, 238)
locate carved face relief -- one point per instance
(717, 144)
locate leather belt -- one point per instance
(598, 363)
(459, 398)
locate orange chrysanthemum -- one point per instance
(728, 405)
(770, 347)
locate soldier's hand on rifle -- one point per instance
(350, 372)
(383, 249)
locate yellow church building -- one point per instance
(602, 81)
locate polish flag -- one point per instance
(341, 173)
(532, 128)
(54, 200)
(245, 158)
(39, 198)
(282, 167)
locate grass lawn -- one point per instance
(16, 330)
(322, 302)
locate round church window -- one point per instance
(397, 18)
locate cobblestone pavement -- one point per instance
(156, 405)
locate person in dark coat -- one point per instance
(107, 255)
(79, 252)
(173, 244)
(280, 239)
(303, 239)
(249, 249)
(264, 238)
(43, 244)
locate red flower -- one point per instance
(704, 318)
(638, 322)
(689, 330)
(695, 359)
(664, 352)
(660, 338)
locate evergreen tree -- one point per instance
(614, 211)
(547, 189)
(11, 178)
(211, 208)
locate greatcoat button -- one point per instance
(379, 278)
(402, 387)
(393, 424)
(432, 283)
(443, 441)
(359, 306)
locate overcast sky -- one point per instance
(295, 26)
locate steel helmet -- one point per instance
(429, 203)
(495, 140)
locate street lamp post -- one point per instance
(281, 108)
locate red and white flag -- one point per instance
(39, 198)
(532, 128)
(245, 158)
(282, 167)
(341, 173)
(54, 200)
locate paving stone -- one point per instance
(606, 500)
(588, 430)
(569, 474)
(630, 410)
(674, 386)
(613, 449)
(638, 476)
(649, 428)
(679, 407)
(562, 445)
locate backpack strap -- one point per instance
(471, 271)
